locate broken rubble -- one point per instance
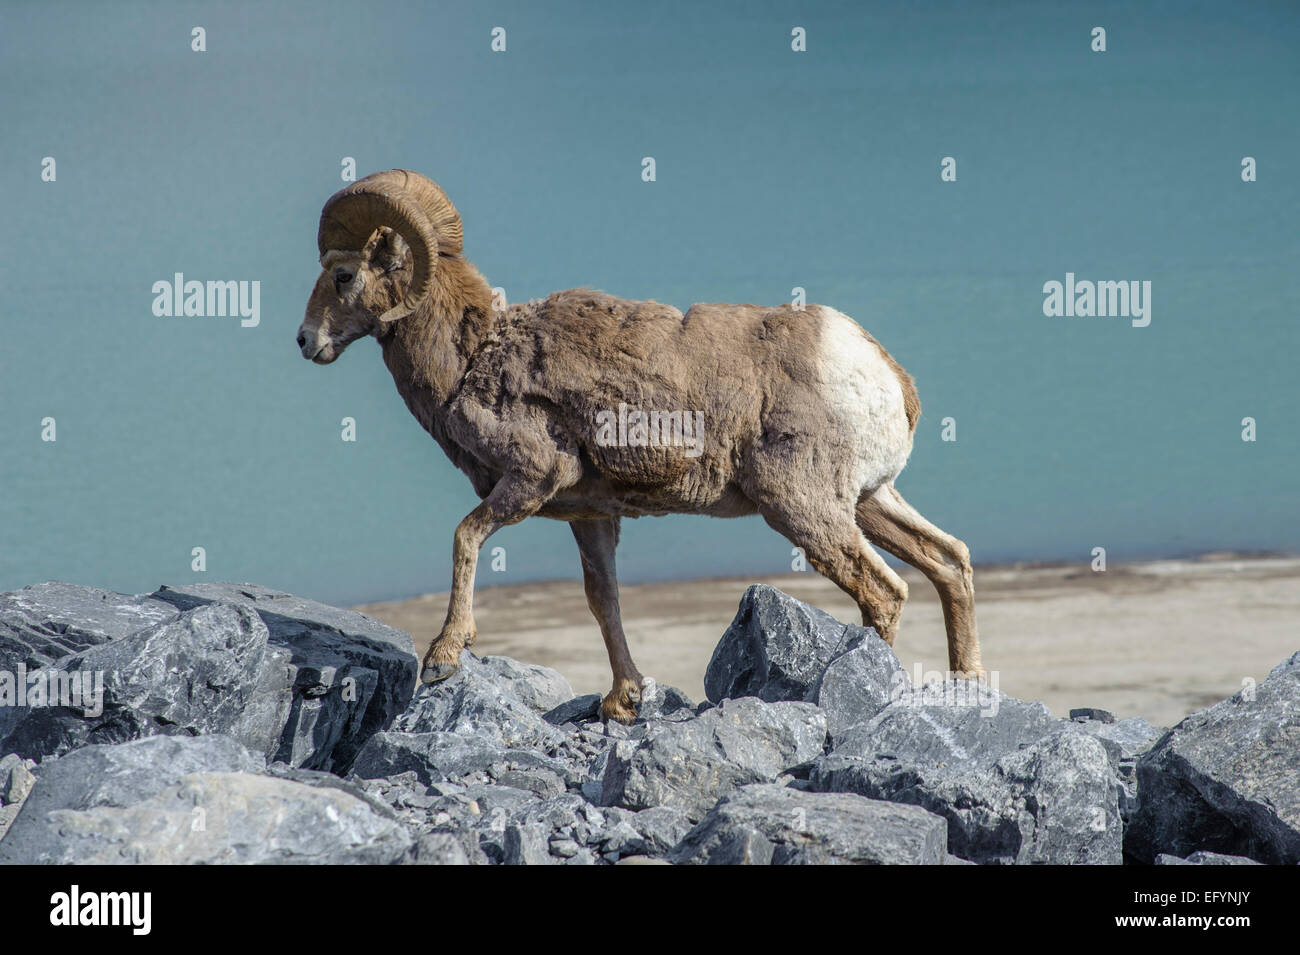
(768, 824)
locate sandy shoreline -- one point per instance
(1157, 639)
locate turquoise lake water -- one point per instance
(774, 169)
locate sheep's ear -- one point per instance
(387, 250)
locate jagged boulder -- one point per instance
(1224, 780)
(1056, 801)
(348, 675)
(537, 687)
(651, 832)
(481, 701)
(1127, 739)
(207, 670)
(779, 648)
(352, 674)
(957, 724)
(192, 800)
(689, 764)
(662, 702)
(41, 624)
(860, 682)
(776, 825)
(16, 781)
(1014, 783)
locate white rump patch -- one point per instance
(865, 400)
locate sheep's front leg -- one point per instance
(509, 503)
(596, 542)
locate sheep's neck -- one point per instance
(428, 351)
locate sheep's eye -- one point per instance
(342, 278)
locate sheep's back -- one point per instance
(581, 354)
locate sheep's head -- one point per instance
(379, 242)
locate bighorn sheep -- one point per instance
(807, 420)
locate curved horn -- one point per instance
(408, 203)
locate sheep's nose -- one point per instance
(302, 340)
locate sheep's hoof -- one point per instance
(621, 703)
(437, 672)
(972, 673)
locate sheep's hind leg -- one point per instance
(596, 543)
(893, 524)
(834, 545)
(509, 503)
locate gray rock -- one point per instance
(564, 848)
(1224, 779)
(1132, 736)
(527, 844)
(323, 780)
(651, 832)
(486, 805)
(476, 701)
(352, 674)
(766, 824)
(16, 779)
(440, 756)
(120, 775)
(446, 848)
(621, 839)
(613, 730)
(560, 814)
(660, 828)
(577, 710)
(860, 682)
(539, 687)
(1084, 714)
(41, 624)
(541, 832)
(208, 670)
(949, 725)
(779, 648)
(1129, 739)
(246, 819)
(662, 702)
(192, 800)
(1054, 801)
(775, 649)
(117, 776)
(689, 764)
(1204, 858)
(542, 782)
(7, 816)
(16, 782)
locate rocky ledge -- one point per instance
(228, 723)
